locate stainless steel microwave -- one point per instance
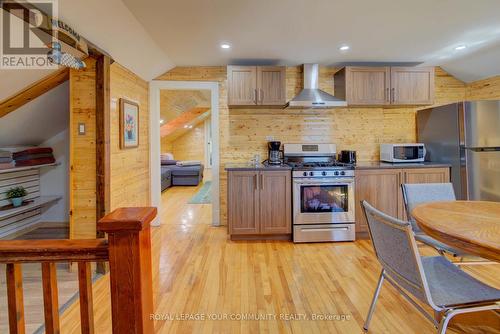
(402, 152)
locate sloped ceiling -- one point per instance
(38, 120)
(292, 32)
(110, 25)
(175, 102)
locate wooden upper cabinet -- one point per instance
(412, 85)
(275, 202)
(242, 85)
(385, 86)
(367, 85)
(243, 210)
(256, 85)
(271, 88)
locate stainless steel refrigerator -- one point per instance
(467, 136)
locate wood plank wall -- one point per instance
(83, 152)
(189, 146)
(243, 131)
(486, 89)
(129, 167)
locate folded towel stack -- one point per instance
(34, 156)
(6, 160)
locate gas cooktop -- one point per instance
(319, 165)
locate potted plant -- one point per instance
(16, 195)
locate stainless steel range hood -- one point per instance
(311, 96)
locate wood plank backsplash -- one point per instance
(243, 131)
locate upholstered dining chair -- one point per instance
(432, 280)
(419, 193)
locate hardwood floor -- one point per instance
(200, 273)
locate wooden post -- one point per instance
(50, 297)
(103, 153)
(131, 276)
(15, 298)
(86, 303)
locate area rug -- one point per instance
(204, 195)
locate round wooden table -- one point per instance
(472, 226)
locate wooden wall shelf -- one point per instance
(37, 203)
(18, 169)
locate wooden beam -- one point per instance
(103, 128)
(103, 139)
(33, 91)
(182, 120)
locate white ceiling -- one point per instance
(292, 32)
(111, 26)
(38, 120)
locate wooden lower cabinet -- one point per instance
(259, 204)
(382, 189)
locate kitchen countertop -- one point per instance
(250, 166)
(400, 165)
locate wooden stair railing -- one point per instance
(128, 250)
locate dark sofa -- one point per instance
(173, 175)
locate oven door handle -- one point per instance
(325, 229)
(338, 181)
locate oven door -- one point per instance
(323, 200)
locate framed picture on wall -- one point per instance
(129, 124)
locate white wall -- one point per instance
(54, 181)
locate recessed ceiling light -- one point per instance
(225, 46)
(161, 121)
(344, 48)
(185, 126)
(460, 47)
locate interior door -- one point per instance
(275, 202)
(412, 85)
(483, 175)
(271, 88)
(368, 85)
(242, 85)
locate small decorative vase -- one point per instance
(16, 202)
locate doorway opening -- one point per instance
(184, 149)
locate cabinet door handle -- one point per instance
(387, 95)
(261, 182)
(255, 181)
(256, 96)
(392, 94)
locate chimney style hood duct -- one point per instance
(311, 96)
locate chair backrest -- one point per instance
(419, 193)
(396, 250)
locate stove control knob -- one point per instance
(311, 174)
(323, 173)
(342, 173)
(336, 173)
(305, 173)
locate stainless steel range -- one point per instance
(323, 193)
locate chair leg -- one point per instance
(443, 325)
(374, 301)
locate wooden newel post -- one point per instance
(131, 278)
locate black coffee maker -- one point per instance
(275, 154)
